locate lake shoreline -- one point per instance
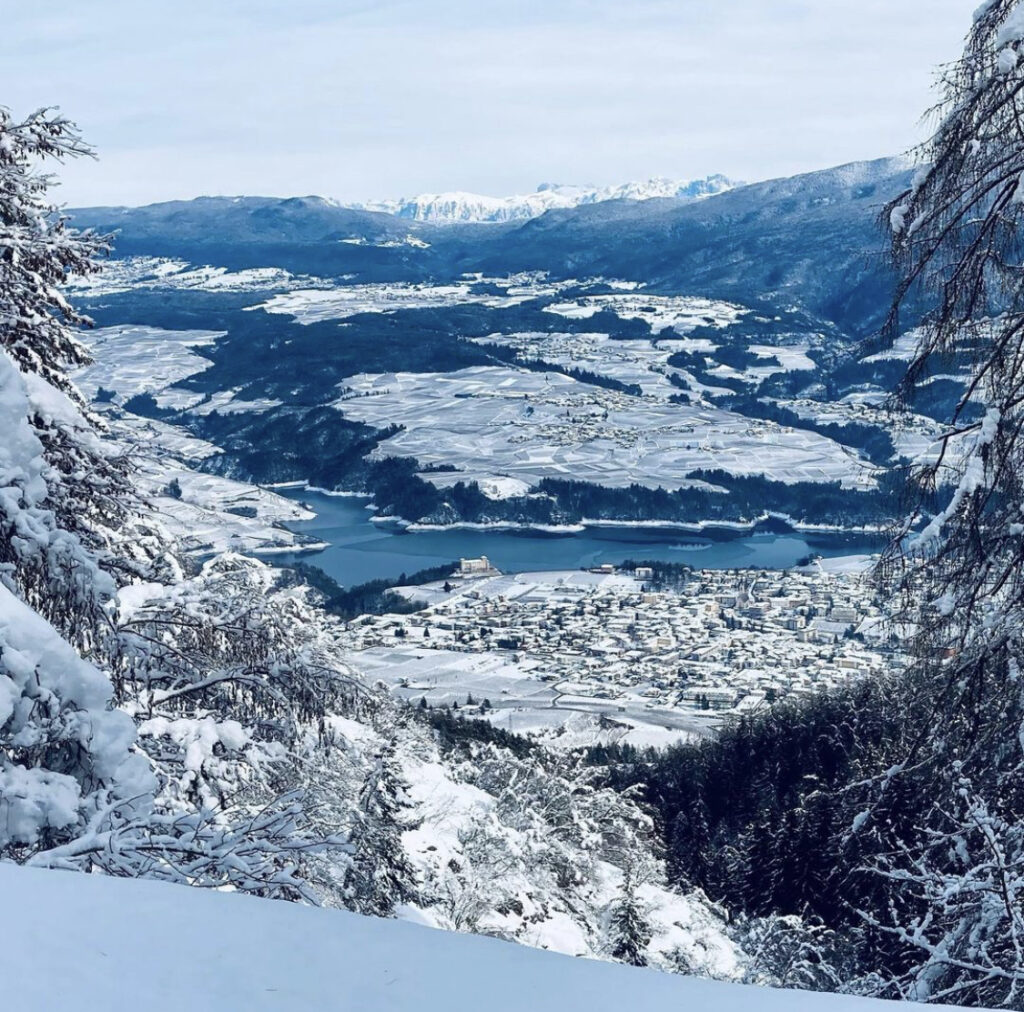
(361, 550)
(749, 527)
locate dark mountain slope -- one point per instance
(812, 240)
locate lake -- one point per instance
(361, 551)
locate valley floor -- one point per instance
(583, 658)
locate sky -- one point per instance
(356, 99)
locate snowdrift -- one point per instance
(98, 943)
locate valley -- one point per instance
(395, 417)
(636, 655)
(410, 592)
(511, 397)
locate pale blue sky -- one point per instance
(357, 99)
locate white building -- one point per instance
(475, 567)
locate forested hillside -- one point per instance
(889, 817)
(173, 709)
(192, 721)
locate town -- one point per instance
(648, 655)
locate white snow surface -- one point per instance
(37, 664)
(497, 421)
(38, 668)
(133, 360)
(313, 305)
(161, 272)
(106, 945)
(459, 207)
(682, 313)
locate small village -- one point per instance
(623, 647)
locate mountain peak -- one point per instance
(459, 207)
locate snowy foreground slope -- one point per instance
(118, 944)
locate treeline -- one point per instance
(696, 364)
(375, 597)
(799, 811)
(753, 816)
(873, 441)
(595, 379)
(666, 574)
(455, 731)
(749, 497)
(398, 490)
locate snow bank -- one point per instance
(115, 945)
(50, 697)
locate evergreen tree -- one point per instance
(959, 912)
(39, 253)
(381, 875)
(629, 928)
(82, 784)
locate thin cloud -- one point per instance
(359, 99)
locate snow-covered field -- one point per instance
(914, 436)
(205, 513)
(681, 313)
(134, 360)
(162, 272)
(643, 361)
(315, 305)
(444, 677)
(495, 421)
(524, 697)
(215, 514)
(506, 427)
(116, 945)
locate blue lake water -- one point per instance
(361, 551)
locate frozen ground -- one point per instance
(493, 421)
(524, 698)
(483, 869)
(312, 306)
(162, 272)
(205, 513)
(681, 313)
(903, 348)
(509, 428)
(100, 944)
(845, 564)
(135, 360)
(132, 360)
(212, 514)
(215, 514)
(914, 436)
(644, 362)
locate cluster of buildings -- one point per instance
(717, 642)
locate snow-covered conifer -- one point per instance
(629, 930)
(956, 873)
(381, 876)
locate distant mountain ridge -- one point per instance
(458, 207)
(813, 240)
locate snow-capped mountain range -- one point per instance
(458, 207)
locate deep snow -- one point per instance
(95, 943)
